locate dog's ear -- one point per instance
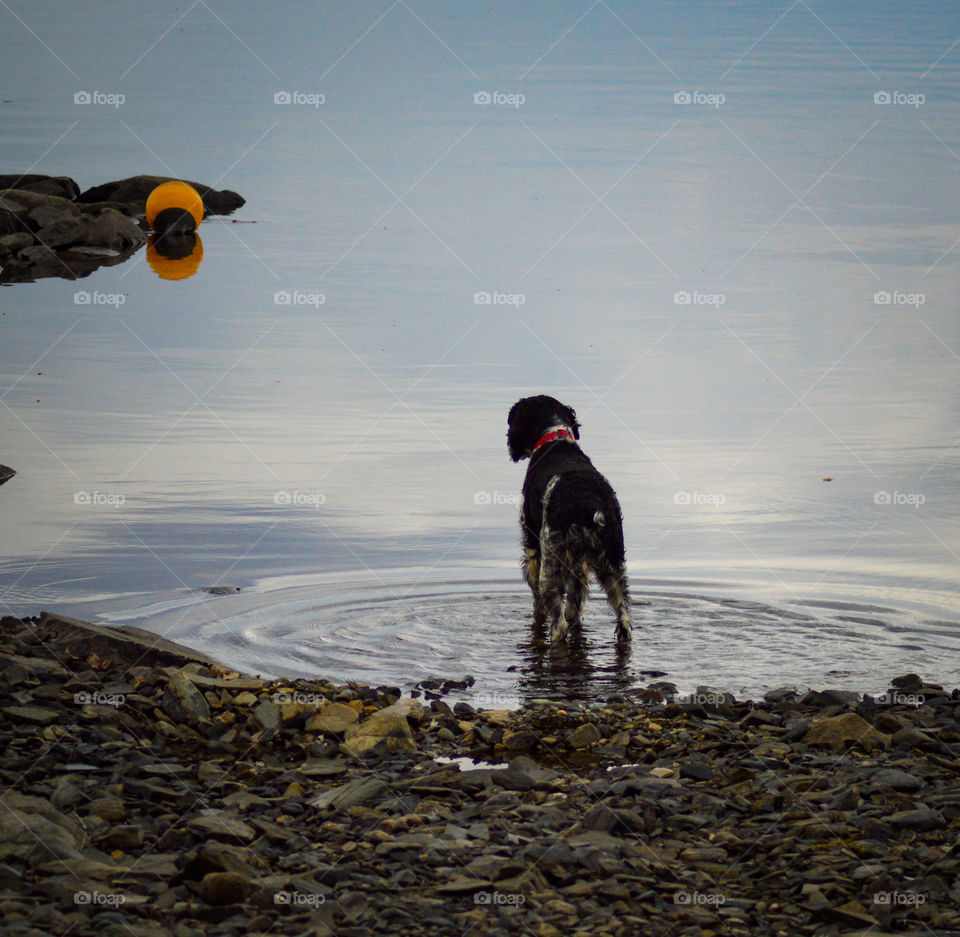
(517, 433)
(571, 421)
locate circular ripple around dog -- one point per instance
(448, 630)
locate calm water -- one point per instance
(727, 237)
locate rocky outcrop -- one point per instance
(48, 228)
(135, 189)
(49, 236)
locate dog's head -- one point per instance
(530, 418)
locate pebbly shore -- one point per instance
(149, 791)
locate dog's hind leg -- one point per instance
(576, 588)
(531, 574)
(551, 586)
(614, 582)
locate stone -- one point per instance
(34, 715)
(387, 728)
(71, 229)
(333, 718)
(223, 888)
(112, 229)
(44, 215)
(183, 702)
(60, 186)
(267, 714)
(34, 830)
(30, 200)
(922, 819)
(357, 791)
(584, 736)
(908, 682)
(223, 827)
(845, 730)
(896, 779)
(12, 243)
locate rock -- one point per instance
(922, 819)
(114, 230)
(896, 779)
(222, 888)
(267, 714)
(108, 808)
(35, 715)
(31, 200)
(61, 186)
(844, 730)
(357, 791)
(65, 230)
(13, 243)
(584, 736)
(183, 702)
(32, 829)
(44, 215)
(908, 682)
(696, 770)
(222, 826)
(136, 189)
(523, 740)
(333, 718)
(388, 728)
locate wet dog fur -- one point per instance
(570, 520)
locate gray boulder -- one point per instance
(63, 186)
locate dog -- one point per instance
(570, 520)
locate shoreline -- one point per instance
(151, 791)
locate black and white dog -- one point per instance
(570, 520)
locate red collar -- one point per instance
(559, 433)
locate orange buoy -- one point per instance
(176, 195)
